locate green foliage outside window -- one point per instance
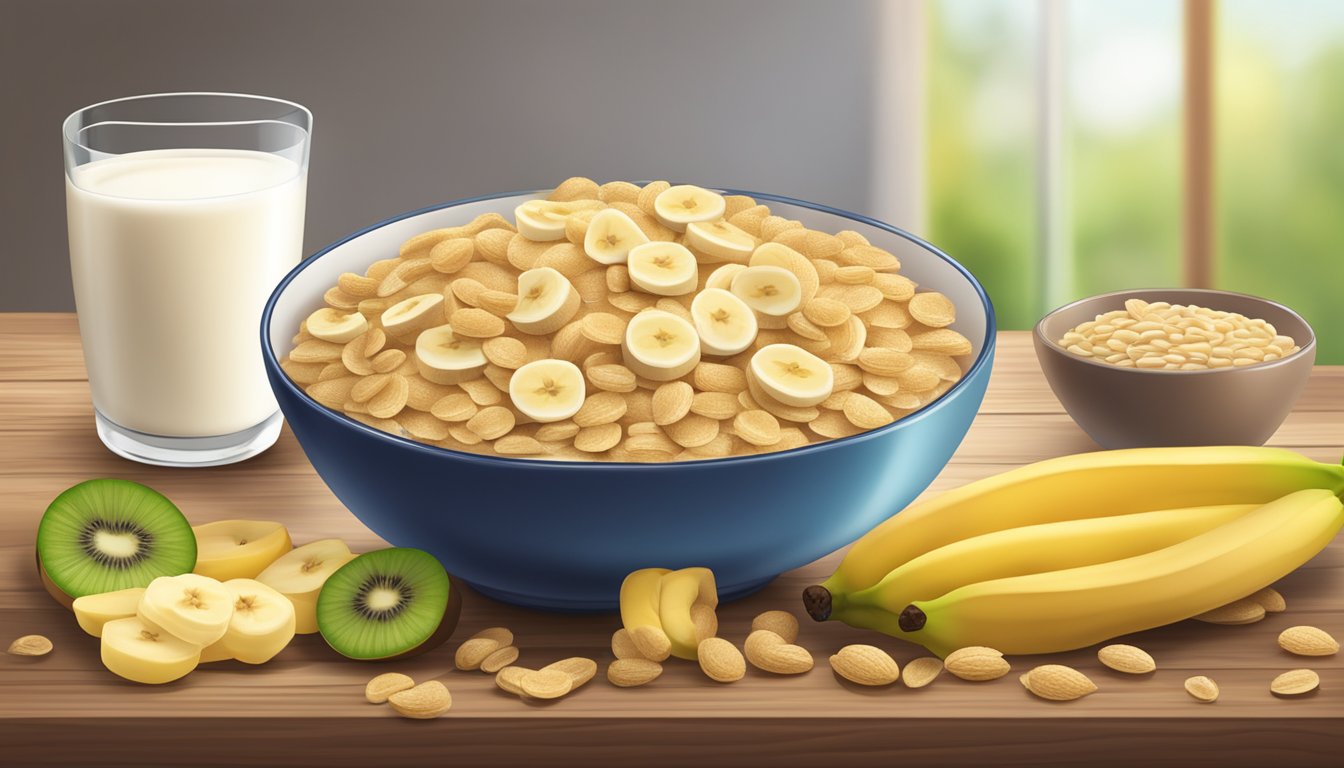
(1279, 150)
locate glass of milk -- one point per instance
(184, 211)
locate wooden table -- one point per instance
(306, 707)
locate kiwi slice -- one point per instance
(388, 604)
(105, 535)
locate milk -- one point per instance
(173, 254)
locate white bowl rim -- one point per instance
(982, 359)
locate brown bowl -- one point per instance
(1134, 407)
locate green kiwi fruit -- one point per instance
(388, 604)
(106, 534)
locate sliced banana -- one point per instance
(546, 301)
(238, 549)
(722, 278)
(792, 375)
(192, 607)
(548, 390)
(725, 323)
(772, 291)
(721, 240)
(780, 255)
(544, 220)
(773, 255)
(664, 269)
(406, 318)
(678, 206)
(336, 326)
(94, 611)
(299, 575)
(445, 358)
(262, 624)
(660, 346)
(611, 234)
(140, 651)
(215, 652)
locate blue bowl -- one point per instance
(562, 535)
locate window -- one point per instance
(1058, 165)
(1280, 159)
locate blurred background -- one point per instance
(1086, 146)
(1058, 148)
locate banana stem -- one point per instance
(818, 602)
(912, 619)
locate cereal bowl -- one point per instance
(561, 535)
(1132, 407)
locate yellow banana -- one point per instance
(1032, 549)
(639, 612)
(1076, 487)
(1077, 607)
(679, 591)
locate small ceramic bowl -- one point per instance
(1133, 407)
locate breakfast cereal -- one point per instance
(622, 323)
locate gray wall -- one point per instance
(418, 102)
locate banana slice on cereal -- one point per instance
(544, 220)
(610, 236)
(721, 240)
(792, 375)
(678, 206)
(546, 301)
(407, 318)
(725, 323)
(660, 346)
(445, 358)
(336, 326)
(548, 390)
(664, 269)
(773, 292)
(723, 276)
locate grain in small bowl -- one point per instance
(1127, 406)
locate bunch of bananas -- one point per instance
(1073, 551)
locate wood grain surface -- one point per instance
(306, 707)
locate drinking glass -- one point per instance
(184, 211)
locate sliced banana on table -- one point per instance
(678, 206)
(262, 624)
(544, 220)
(94, 611)
(548, 390)
(143, 652)
(792, 375)
(336, 326)
(665, 269)
(409, 317)
(721, 240)
(773, 292)
(660, 346)
(546, 301)
(725, 323)
(722, 277)
(192, 607)
(445, 358)
(610, 236)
